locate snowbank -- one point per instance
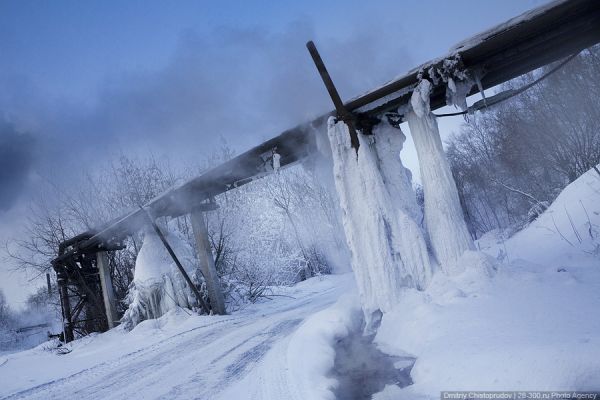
(567, 233)
(311, 352)
(178, 356)
(534, 325)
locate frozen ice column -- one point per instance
(397, 180)
(443, 215)
(378, 244)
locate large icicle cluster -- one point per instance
(158, 286)
(443, 214)
(388, 249)
(397, 178)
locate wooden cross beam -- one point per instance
(341, 112)
(164, 241)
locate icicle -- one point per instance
(443, 215)
(451, 85)
(381, 253)
(456, 93)
(480, 87)
(398, 182)
(276, 160)
(397, 178)
(419, 100)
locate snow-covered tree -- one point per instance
(511, 160)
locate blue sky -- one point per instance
(67, 48)
(107, 77)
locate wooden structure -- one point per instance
(520, 45)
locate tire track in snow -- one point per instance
(48, 388)
(212, 366)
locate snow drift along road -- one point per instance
(180, 357)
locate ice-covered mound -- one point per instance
(567, 233)
(532, 324)
(158, 286)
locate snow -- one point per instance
(443, 214)
(247, 354)
(488, 34)
(528, 324)
(311, 349)
(388, 251)
(158, 286)
(565, 234)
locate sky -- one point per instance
(81, 82)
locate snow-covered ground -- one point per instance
(254, 353)
(535, 325)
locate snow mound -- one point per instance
(533, 325)
(569, 228)
(311, 352)
(158, 286)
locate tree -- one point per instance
(512, 160)
(5, 314)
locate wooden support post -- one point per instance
(48, 284)
(61, 279)
(342, 113)
(207, 262)
(163, 239)
(108, 293)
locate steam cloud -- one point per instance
(16, 161)
(243, 85)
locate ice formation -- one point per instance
(443, 215)
(388, 250)
(456, 93)
(158, 286)
(458, 80)
(276, 161)
(397, 178)
(398, 181)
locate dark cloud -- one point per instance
(16, 161)
(241, 84)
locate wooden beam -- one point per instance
(62, 282)
(341, 111)
(108, 294)
(207, 263)
(164, 241)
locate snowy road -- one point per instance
(242, 355)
